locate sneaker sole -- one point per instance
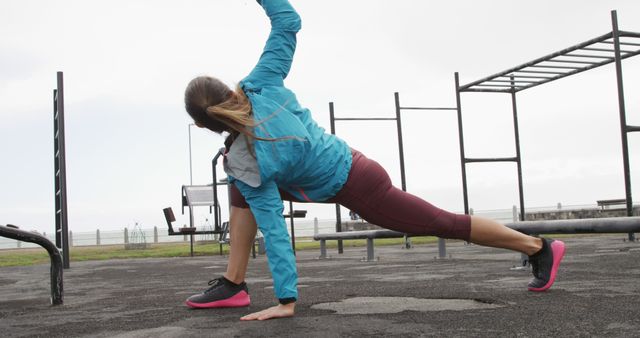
(558, 248)
(240, 299)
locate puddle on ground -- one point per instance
(373, 305)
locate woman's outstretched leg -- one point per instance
(369, 192)
(488, 232)
(231, 290)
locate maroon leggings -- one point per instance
(369, 193)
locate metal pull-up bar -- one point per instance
(398, 119)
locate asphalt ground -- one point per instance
(407, 292)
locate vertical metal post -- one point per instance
(62, 229)
(623, 118)
(56, 170)
(463, 163)
(400, 145)
(442, 248)
(403, 179)
(370, 253)
(293, 234)
(323, 248)
(338, 216)
(190, 162)
(516, 130)
(216, 206)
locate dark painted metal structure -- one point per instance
(403, 180)
(60, 172)
(12, 231)
(612, 47)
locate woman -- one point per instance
(276, 151)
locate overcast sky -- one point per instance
(126, 64)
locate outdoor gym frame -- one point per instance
(591, 54)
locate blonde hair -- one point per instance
(236, 112)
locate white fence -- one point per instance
(303, 228)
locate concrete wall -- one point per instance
(579, 213)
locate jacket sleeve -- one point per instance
(277, 56)
(267, 208)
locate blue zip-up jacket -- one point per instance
(303, 160)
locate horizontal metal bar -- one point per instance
(527, 76)
(427, 108)
(498, 159)
(599, 49)
(609, 50)
(573, 61)
(364, 118)
(589, 56)
(559, 67)
(629, 34)
(496, 85)
(540, 72)
(364, 234)
(513, 81)
(486, 90)
(623, 43)
(579, 226)
(632, 128)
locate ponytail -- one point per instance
(236, 113)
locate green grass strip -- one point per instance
(25, 257)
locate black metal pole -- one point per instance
(403, 178)
(463, 164)
(190, 162)
(623, 118)
(214, 174)
(63, 173)
(56, 172)
(400, 145)
(516, 130)
(332, 120)
(293, 233)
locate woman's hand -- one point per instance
(278, 311)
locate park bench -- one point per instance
(369, 235)
(606, 204)
(13, 232)
(222, 231)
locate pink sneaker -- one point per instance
(222, 293)
(545, 263)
